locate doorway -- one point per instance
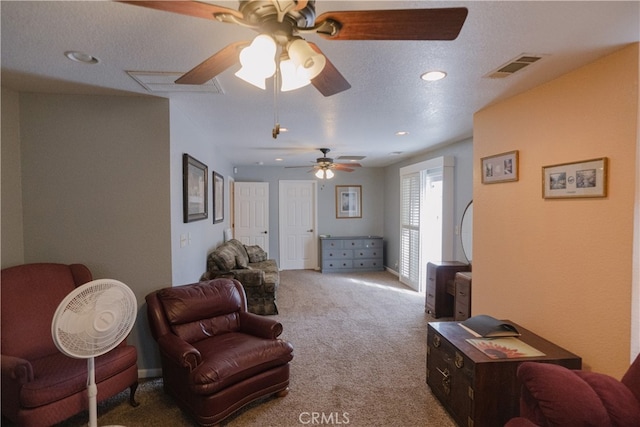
(298, 225)
(426, 218)
(251, 213)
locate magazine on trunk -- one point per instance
(484, 326)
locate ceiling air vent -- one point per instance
(165, 82)
(513, 66)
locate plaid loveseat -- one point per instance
(249, 265)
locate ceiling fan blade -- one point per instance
(349, 165)
(213, 66)
(187, 7)
(342, 168)
(396, 24)
(301, 4)
(329, 81)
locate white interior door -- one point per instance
(251, 208)
(298, 231)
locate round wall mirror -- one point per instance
(466, 231)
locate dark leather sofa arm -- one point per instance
(259, 326)
(179, 351)
(17, 369)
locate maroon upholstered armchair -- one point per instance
(556, 396)
(216, 357)
(40, 385)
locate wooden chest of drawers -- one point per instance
(440, 275)
(476, 390)
(462, 297)
(351, 253)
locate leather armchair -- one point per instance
(556, 396)
(40, 385)
(216, 357)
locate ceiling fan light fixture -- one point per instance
(258, 61)
(290, 79)
(308, 62)
(324, 173)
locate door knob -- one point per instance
(310, 231)
(264, 232)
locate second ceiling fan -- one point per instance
(324, 166)
(281, 24)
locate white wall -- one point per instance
(190, 261)
(462, 152)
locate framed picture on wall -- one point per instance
(500, 168)
(587, 178)
(218, 198)
(348, 201)
(194, 189)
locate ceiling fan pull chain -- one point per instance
(276, 126)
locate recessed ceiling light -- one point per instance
(432, 76)
(278, 159)
(402, 133)
(85, 58)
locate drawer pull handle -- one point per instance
(444, 373)
(436, 341)
(446, 381)
(459, 362)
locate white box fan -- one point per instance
(92, 320)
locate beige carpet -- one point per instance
(359, 360)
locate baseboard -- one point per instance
(149, 373)
(395, 273)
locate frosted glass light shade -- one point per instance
(258, 61)
(290, 79)
(308, 62)
(324, 174)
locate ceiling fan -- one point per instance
(281, 24)
(324, 166)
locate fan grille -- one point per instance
(94, 318)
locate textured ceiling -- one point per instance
(386, 96)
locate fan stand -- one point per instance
(92, 391)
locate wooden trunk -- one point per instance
(476, 390)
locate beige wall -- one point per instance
(11, 227)
(562, 268)
(95, 174)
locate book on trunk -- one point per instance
(489, 327)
